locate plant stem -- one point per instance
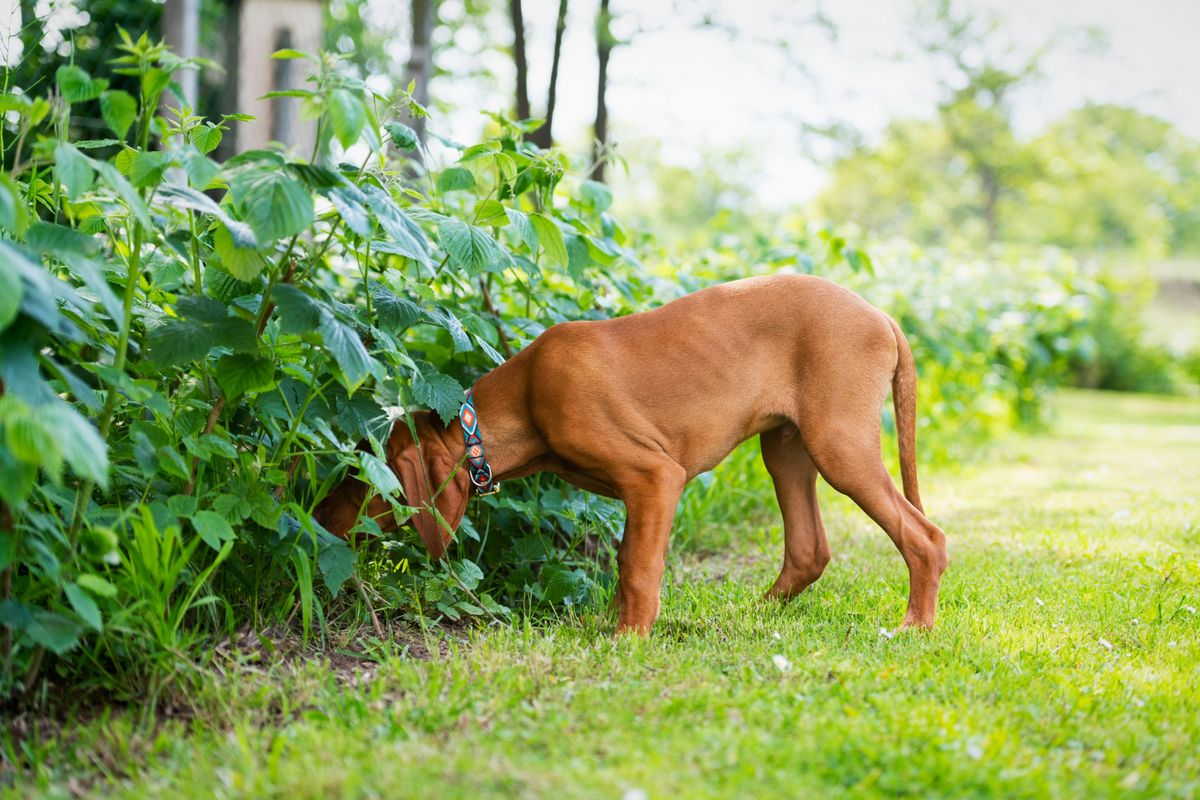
(213, 414)
(362, 592)
(496, 318)
(196, 276)
(110, 401)
(6, 526)
(35, 666)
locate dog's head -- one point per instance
(431, 476)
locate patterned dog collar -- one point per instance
(477, 463)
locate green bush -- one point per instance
(185, 377)
(1120, 359)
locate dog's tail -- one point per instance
(904, 406)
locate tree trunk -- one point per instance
(600, 129)
(420, 60)
(181, 31)
(544, 136)
(518, 23)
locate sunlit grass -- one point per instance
(1066, 662)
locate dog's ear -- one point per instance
(451, 501)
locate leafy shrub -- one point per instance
(1120, 359)
(193, 350)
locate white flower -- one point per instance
(781, 663)
(1039, 601)
(1105, 643)
(885, 633)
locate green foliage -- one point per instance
(191, 354)
(1119, 358)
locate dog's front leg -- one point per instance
(650, 503)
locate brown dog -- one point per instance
(635, 407)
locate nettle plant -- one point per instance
(193, 353)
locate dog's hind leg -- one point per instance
(805, 548)
(846, 450)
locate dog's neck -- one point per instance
(510, 442)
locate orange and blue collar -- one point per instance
(477, 464)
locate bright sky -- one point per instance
(699, 90)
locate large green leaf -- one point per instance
(243, 263)
(301, 313)
(76, 86)
(551, 238)
(72, 170)
(445, 318)
(204, 324)
(13, 217)
(213, 529)
(336, 562)
(48, 238)
(298, 312)
(11, 288)
(491, 214)
(395, 313)
(28, 438)
(345, 347)
(84, 606)
(471, 249)
(78, 441)
(180, 341)
(272, 202)
(119, 110)
(96, 585)
(351, 205)
(179, 196)
(406, 236)
(440, 392)
(16, 478)
(596, 194)
(524, 228)
(56, 633)
(206, 138)
(579, 257)
(347, 115)
(147, 169)
(200, 169)
(242, 373)
(379, 474)
(455, 179)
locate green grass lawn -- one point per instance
(1066, 663)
